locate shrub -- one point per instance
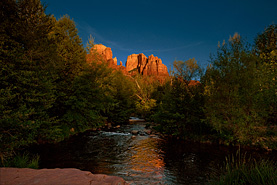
(238, 171)
(23, 161)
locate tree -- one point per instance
(266, 50)
(69, 47)
(83, 88)
(122, 98)
(266, 47)
(188, 70)
(144, 88)
(234, 104)
(26, 70)
(180, 109)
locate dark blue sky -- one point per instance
(171, 30)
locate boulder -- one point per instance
(147, 131)
(69, 176)
(135, 132)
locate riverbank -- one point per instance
(70, 176)
(262, 143)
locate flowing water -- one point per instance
(140, 159)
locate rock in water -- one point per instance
(135, 132)
(147, 131)
(69, 176)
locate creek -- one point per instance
(139, 159)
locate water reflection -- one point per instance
(146, 157)
(147, 160)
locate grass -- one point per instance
(239, 170)
(23, 161)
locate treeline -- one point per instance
(235, 101)
(48, 89)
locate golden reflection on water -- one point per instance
(147, 157)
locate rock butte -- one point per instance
(69, 176)
(136, 63)
(146, 66)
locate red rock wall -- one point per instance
(151, 66)
(146, 66)
(103, 51)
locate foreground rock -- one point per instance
(69, 176)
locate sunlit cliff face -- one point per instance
(147, 158)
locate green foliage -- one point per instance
(239, 93)
(180, 109)
(22, 161)
(121, 98)
(145, 107)
(90, 44)
(26, 75)
(188, 70)
(75, 104)
(239, 170)
(48, 90)
(145, 86)
(70, 51)
(265, 45)
(266, 49)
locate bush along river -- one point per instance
(140, 157)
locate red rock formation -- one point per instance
(194, 83)
(100, 53)
(115, 61)
(136, 63)
(151, 66)
(26, 176)
(142, 62)
(132, 62)
(103, 51)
